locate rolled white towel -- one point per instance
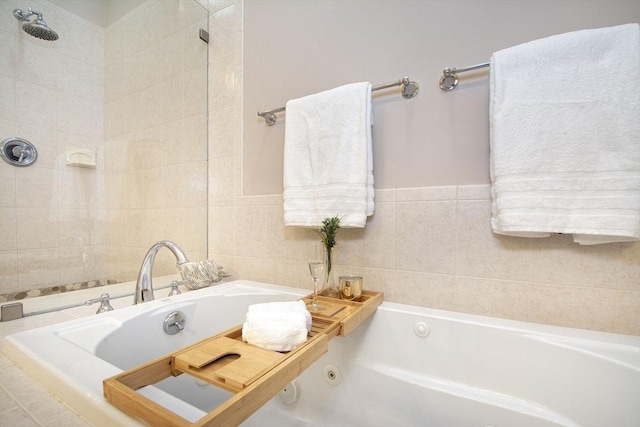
(277, 326)
(283, 307)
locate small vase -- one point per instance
(330, 285)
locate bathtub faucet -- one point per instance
(144, 286)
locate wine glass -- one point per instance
(316, 268)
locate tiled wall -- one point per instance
(424, 246)
(136, 93)
(51, 93)
(155, 132)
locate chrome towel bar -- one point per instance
(449, 79)
(409, 89)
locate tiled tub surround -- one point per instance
(471, 369)
(34, 293)
(434, 247)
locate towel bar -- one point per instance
(449, 79)
(409, 89)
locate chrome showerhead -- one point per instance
(37, 28)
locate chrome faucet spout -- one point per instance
(144, 285)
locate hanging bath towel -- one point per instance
(565, 136)
(328, 159)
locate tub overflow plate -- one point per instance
(174, 322)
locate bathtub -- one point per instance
(404, 366)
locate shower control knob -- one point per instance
(18, 151)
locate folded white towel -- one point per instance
(565, 136)
(283, 307)
(328, 158)
(277, 326)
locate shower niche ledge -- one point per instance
(253, 375)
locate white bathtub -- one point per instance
(405, 366)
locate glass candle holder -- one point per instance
(350, 287)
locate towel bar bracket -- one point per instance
(408, 89)
(449, 79)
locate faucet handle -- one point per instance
(174, 288)
(104, 303)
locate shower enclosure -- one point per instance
(133, 95)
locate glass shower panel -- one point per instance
(156, 176)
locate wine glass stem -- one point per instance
(315, 291)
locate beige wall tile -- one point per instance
(251, 268)
(575, 307)
(77, 264)
(37, 228)
(495, 298)
(221, 132)
(285, 243)
(290, 273)
(192, 143)
(8, 58)
(172, 194)
(37, 64)
(425, 289)
(76, 227)
(221, 181)
(627, 314)
(36, 188)
(560, 261)
(195, 92)
(9, 279)
(77, 188)
(172, 132)
(425, 236)
(194, 238)
(8, 100)
(426, 194)
(152, 109)
(172, 57)
(373, 246)
(38, 268)
(251, 232)
(222, 237)
(7, 185)
(8, 229)
(173, 99)
(481, 253)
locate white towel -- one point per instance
(280, 326)
(565, 136)
(328, 158)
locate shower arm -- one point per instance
(24, 16)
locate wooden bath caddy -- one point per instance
(254, 375)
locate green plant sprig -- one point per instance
(328, 231)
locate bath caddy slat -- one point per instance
(252, 374)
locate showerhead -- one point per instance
(37, 28)
(40, 29)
